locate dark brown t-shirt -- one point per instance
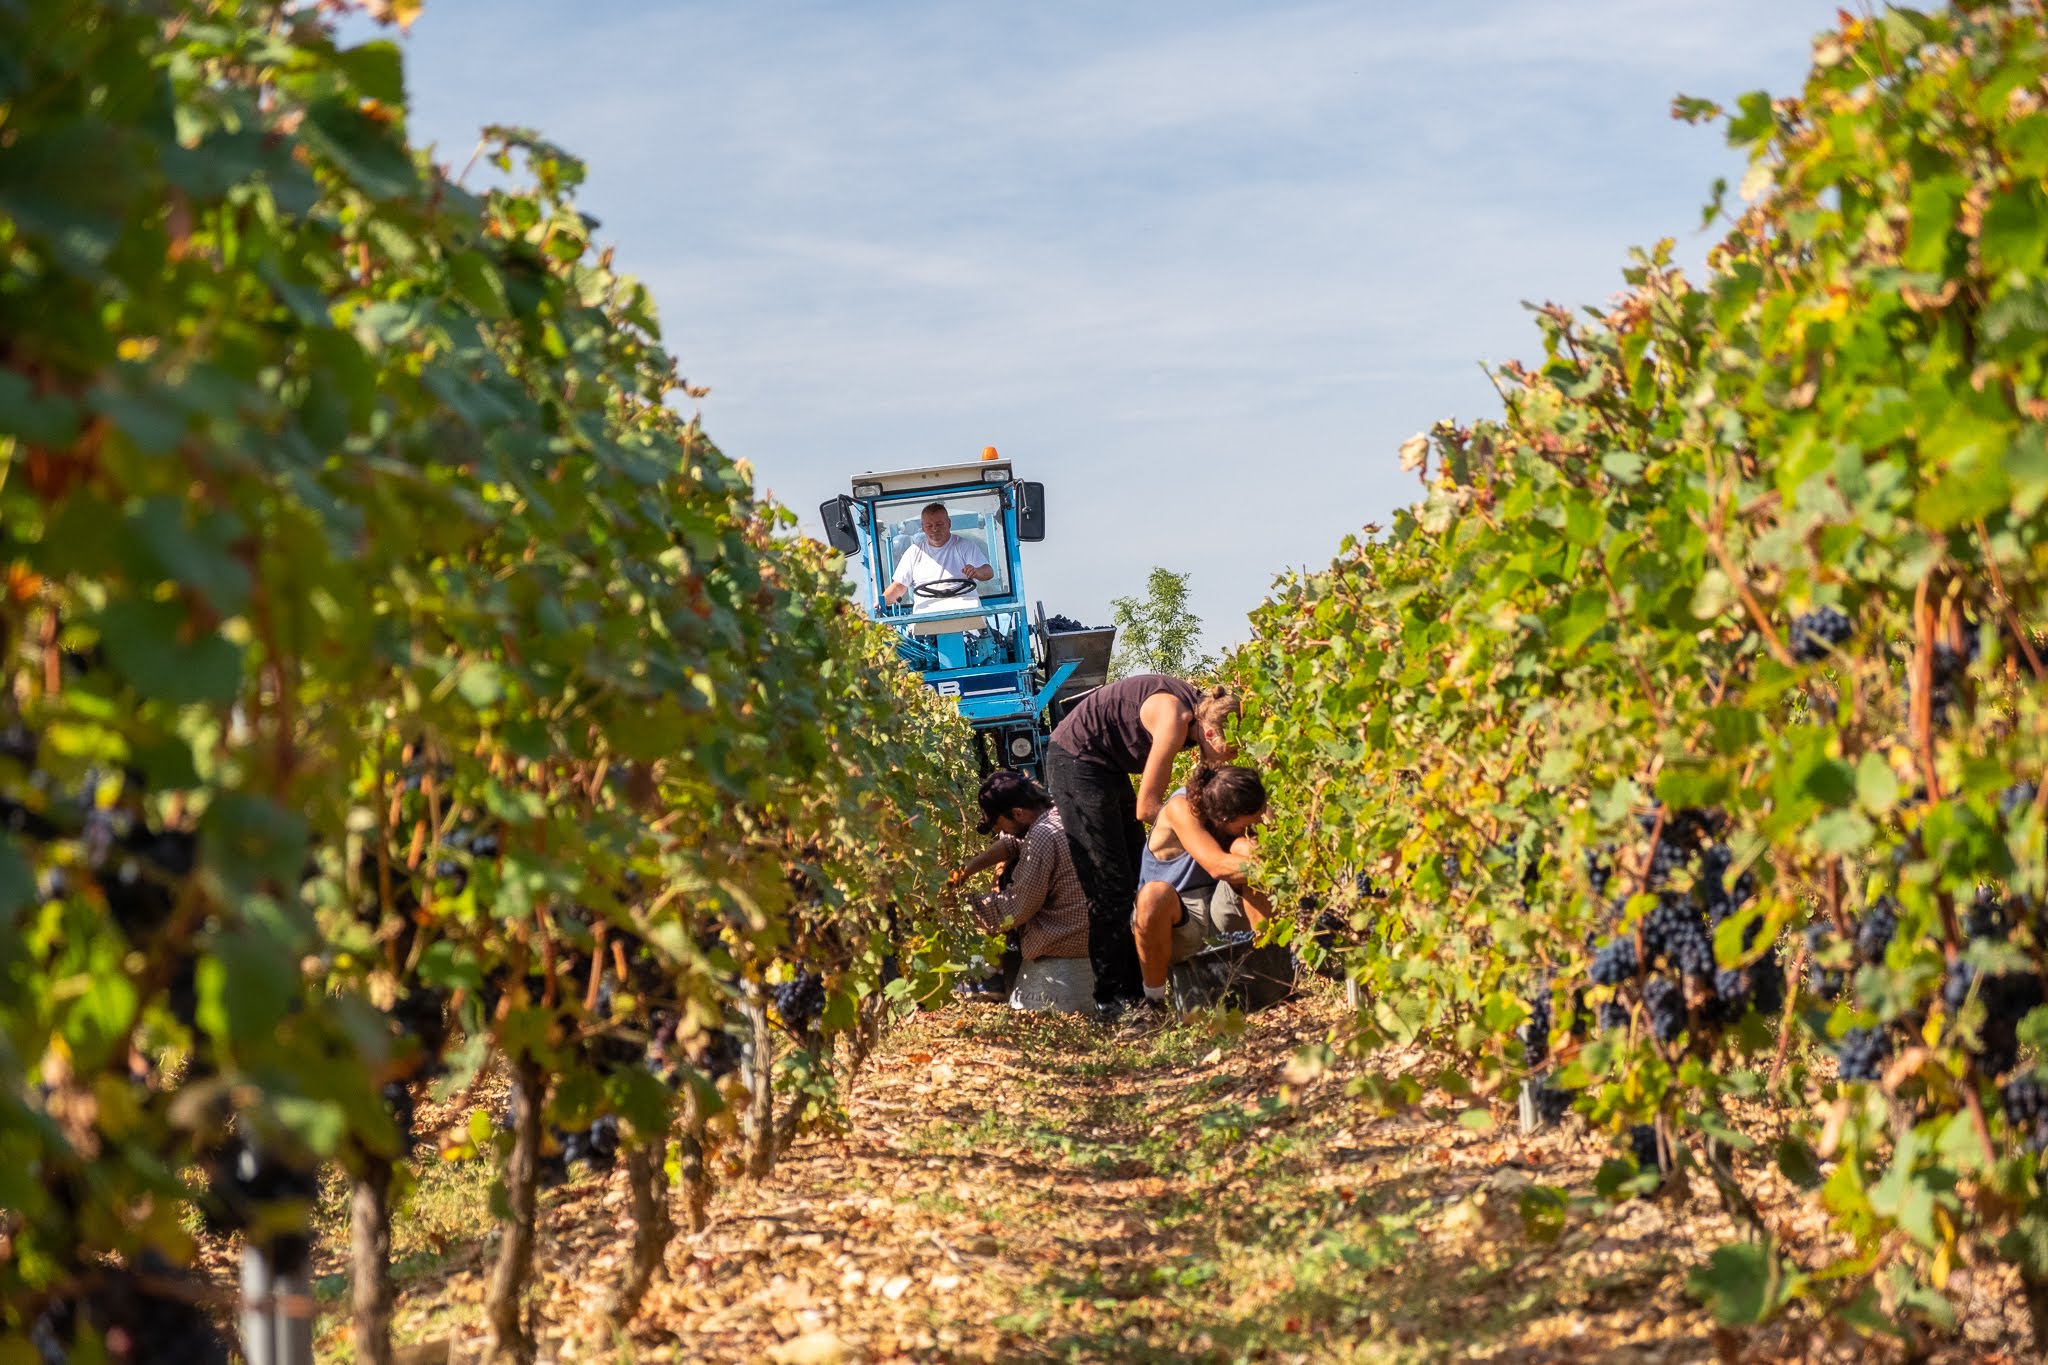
(1105, 727)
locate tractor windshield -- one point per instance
(977, 518)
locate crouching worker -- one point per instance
(1042, 899)
(1192, 872)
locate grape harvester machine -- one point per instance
(1014, 678)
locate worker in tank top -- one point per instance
(1132, 728)
(1192, 874)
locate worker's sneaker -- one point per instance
(986, 992)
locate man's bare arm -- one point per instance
(1001, 853)
(1166, 719)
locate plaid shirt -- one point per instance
(1044, 899)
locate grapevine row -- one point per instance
(1688, 732)
(397, 686)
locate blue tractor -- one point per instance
(1014, 676)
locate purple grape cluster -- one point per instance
(2007, 997)
(1642, 1145)
(1824, 982)
(255, 1189)
(1862, 1053)
(1989, 917)
(1675, 935)
(1876, 929)
(2025, 1101)
(151, 1315)
(1664, 1002)
(1536, 1033)
(1552, 1103)
(800, 1001)
(1599, 869)
(596, 1146)
(1819, 633)
(1615, 963)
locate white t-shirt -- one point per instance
(923, 564)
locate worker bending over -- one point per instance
(1132, 728)
(939, 556)
(1192, 872)
(1041, 898)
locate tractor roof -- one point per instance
(931, 476)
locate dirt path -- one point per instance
(1023, 1188)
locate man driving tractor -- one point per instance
(944, 565)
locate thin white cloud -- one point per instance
(1154, 251)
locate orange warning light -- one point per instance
(988, 452)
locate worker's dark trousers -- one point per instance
(1100, 810)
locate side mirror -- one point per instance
(1030, 511)
(837, 514)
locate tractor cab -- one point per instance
(970, 640)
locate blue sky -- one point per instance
(1199, 267)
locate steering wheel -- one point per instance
(945, 587)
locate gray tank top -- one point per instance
(1181, 872)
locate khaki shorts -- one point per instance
(1206, 914)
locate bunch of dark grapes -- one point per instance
(141, 876)
(1327, 931)
(1760, 985)
(2007, 997)
(1665, 1004)
(1642, 1144)
(1675, 934)
(147, 1316)
(1987, 917)
(596, 1146)
(1536, 1033)
(1862, 1053)
(252, 1188)
(2025, 1100)
(2014, 800)
(1615, 963)
(1599, 869)
(1818, 633)
(421, 1017)
(1683, 834)
(1551, 1103)
(800, 1001)
(1710, 883)
(1875, 931)
(717, 1053)
(398, 1100)
(1824, 982)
